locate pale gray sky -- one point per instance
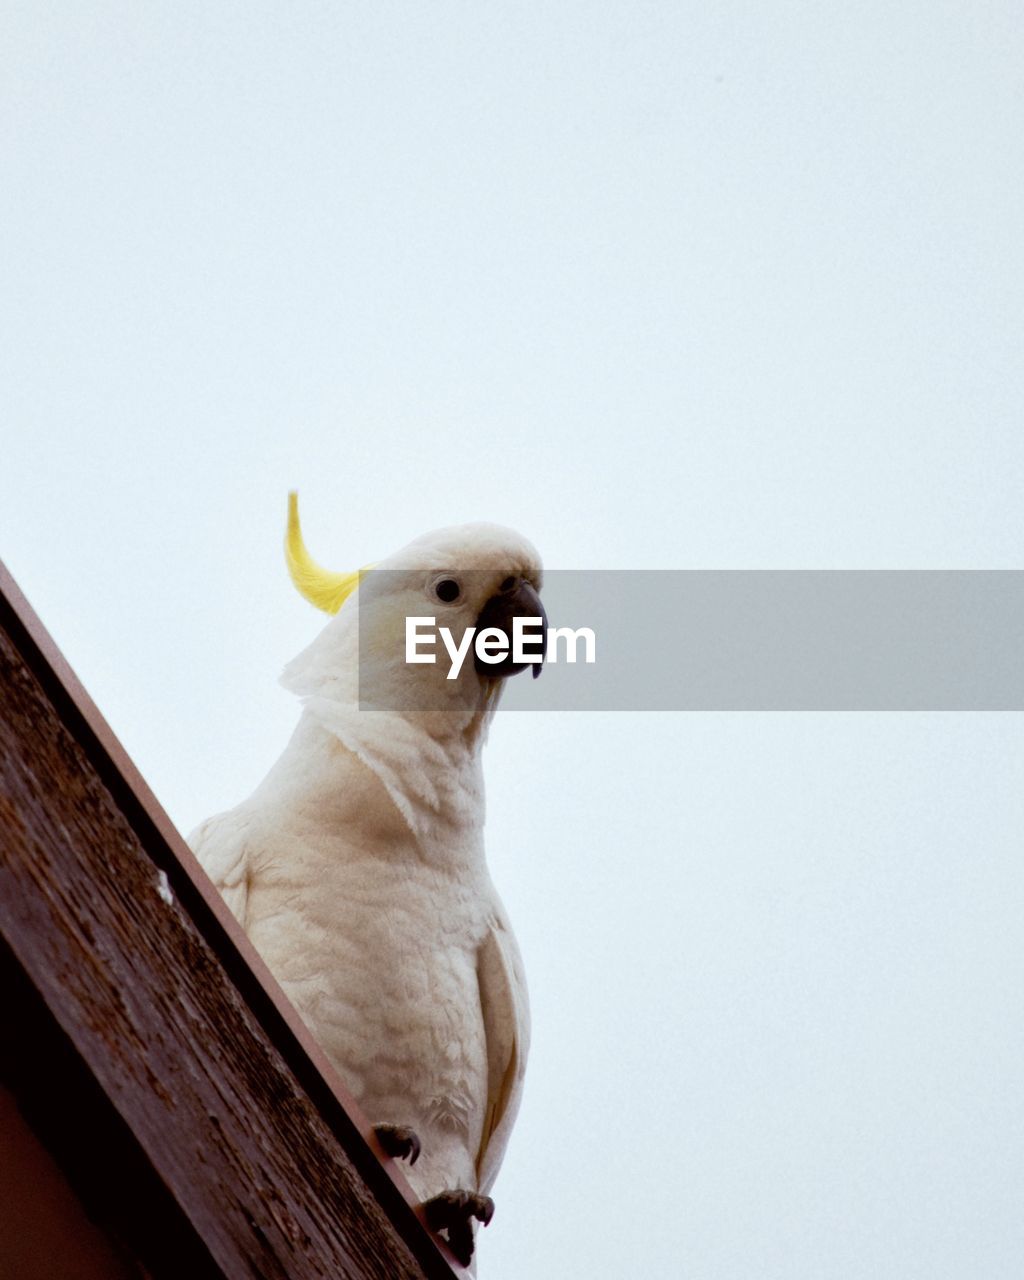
(663, 286)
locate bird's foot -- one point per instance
(398, 1141)
(454, 1211)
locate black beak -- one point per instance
(518, 601)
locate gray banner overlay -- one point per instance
(780, 640)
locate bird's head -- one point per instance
(479, 576)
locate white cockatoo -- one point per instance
(357, 866)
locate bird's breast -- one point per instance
(379, 958)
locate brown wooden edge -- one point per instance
(243, 967)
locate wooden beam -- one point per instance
(145, 1042)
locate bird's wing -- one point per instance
(220, 845)
(506, 1014)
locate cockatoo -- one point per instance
(357, 866)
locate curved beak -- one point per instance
(522, 601)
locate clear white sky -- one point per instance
(664, 286)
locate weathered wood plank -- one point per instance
(137, 989)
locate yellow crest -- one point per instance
(328, 591)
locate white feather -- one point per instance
(357, 869)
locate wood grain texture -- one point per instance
(201, 1106)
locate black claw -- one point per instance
(452, 1212)
(398, 1141)
(460, 1241)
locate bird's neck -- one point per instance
(435, 782)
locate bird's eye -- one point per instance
(509, 584)
(447, 590)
